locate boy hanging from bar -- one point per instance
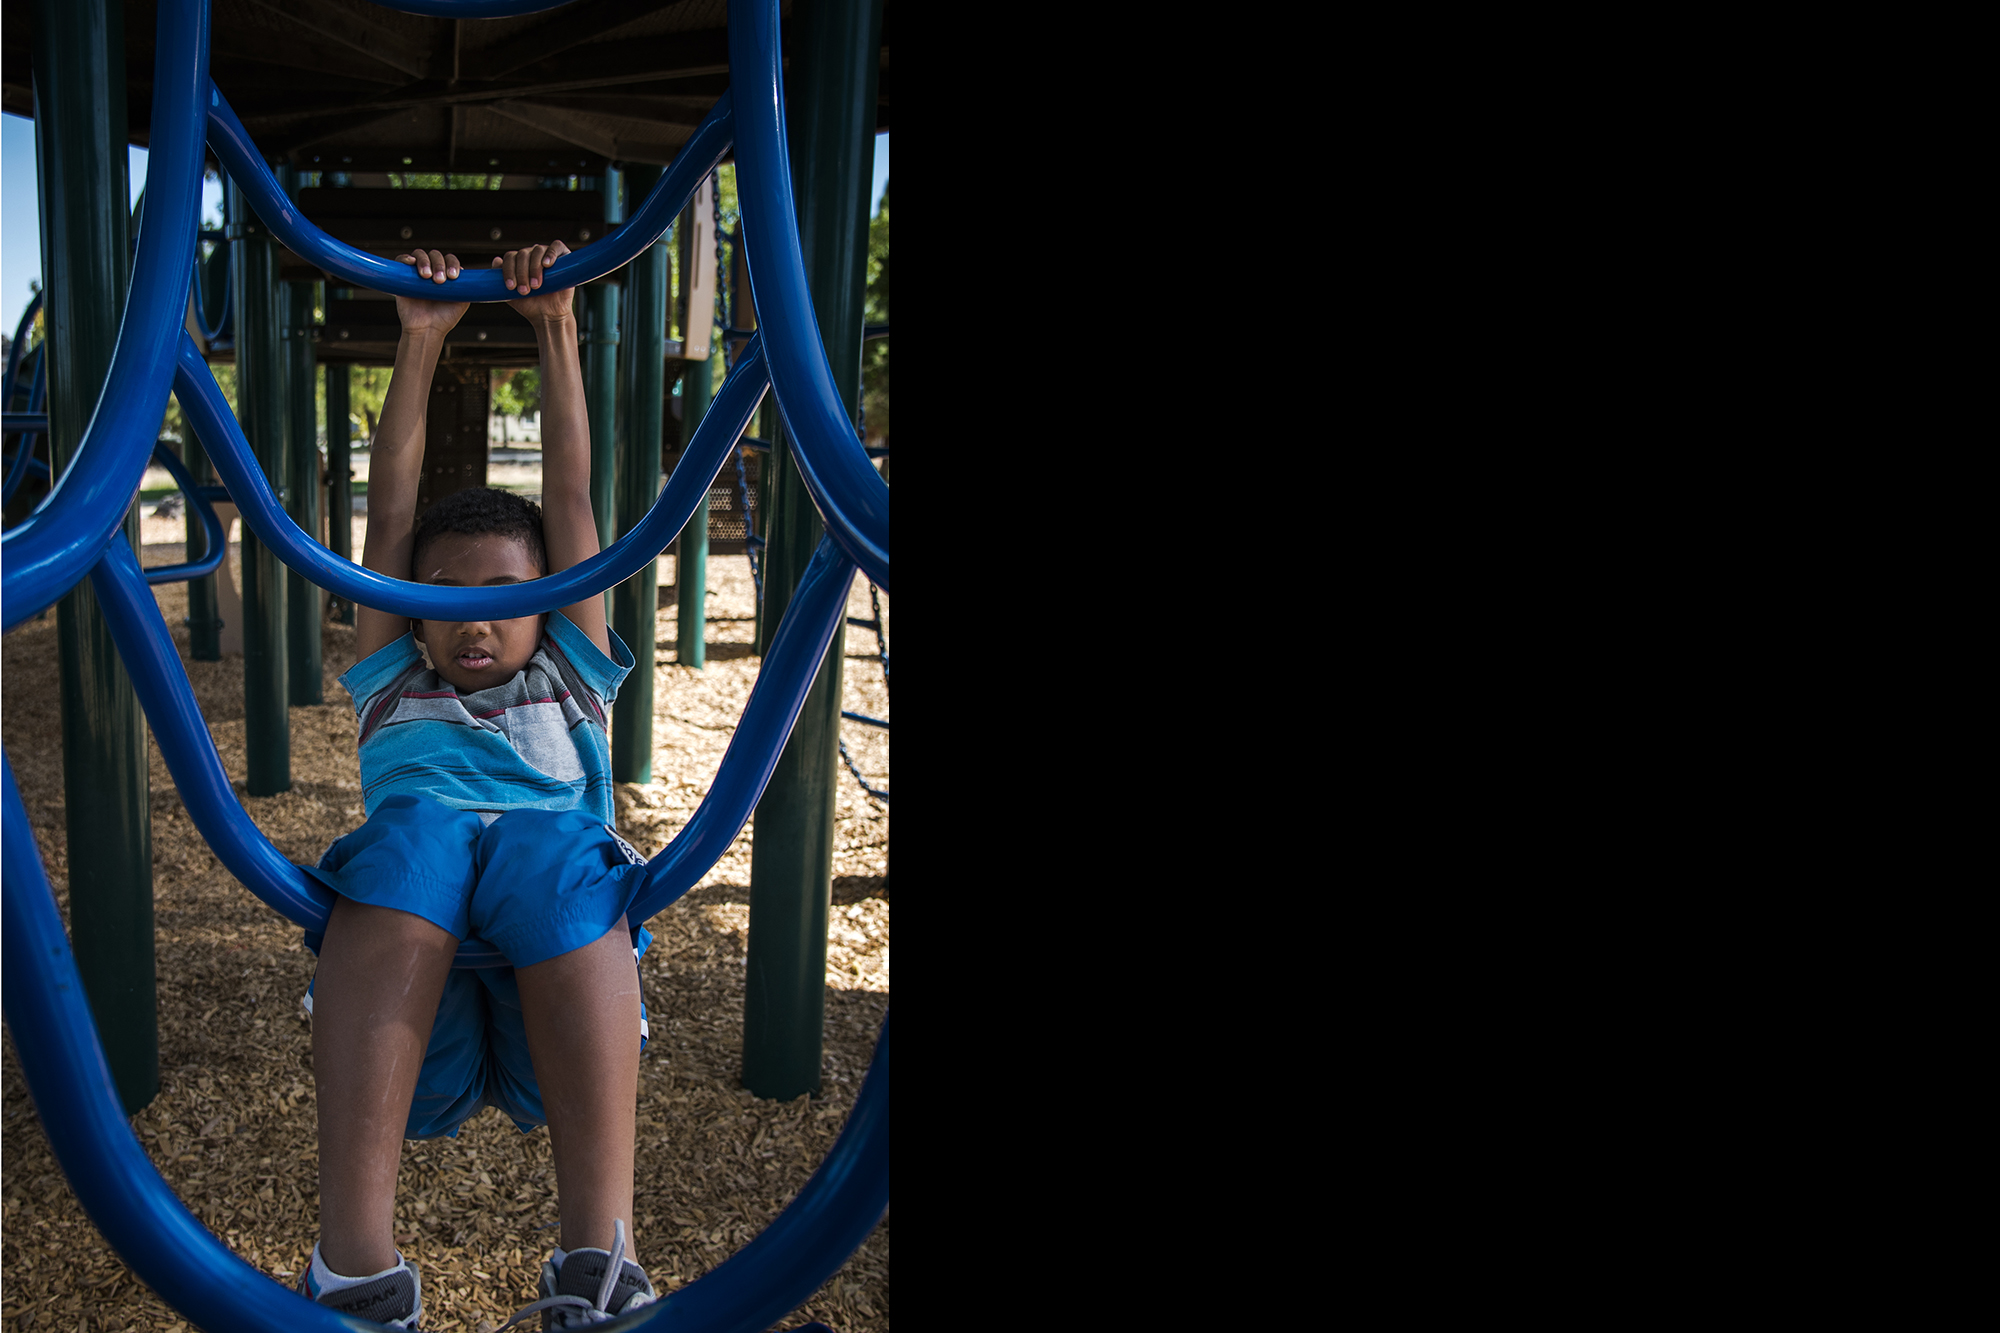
(486, 776)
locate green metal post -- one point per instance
(80, 126)
(339, 474)
(302, 599)
(634, 607)
(260, 383)
(204, 625)
(691, 560)
(600, 396)
(600, 383)
(791, 860)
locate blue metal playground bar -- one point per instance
(211, 526)
(222, 436)
(55, 546)
(850, 494)
(648, 222)
(75, 531)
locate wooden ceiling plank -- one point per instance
(573, 25)
(349, 29)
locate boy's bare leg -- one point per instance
(381, 975)
(582, 1014)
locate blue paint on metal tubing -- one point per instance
(160, 681)
(782, 684)
(211, 526)
(852, 498)
(55, 546)
(211, 330)
(864, 718)
(56, 1040)
(208, 412)
(35, 421)
(649, 222)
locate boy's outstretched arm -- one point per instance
(569, 529)
(396, 455)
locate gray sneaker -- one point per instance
(588, 1286)
(395, 1298)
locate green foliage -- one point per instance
(437, 180)
(517, 393)
(875, 355)
(365, 392)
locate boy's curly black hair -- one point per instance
(478, 510)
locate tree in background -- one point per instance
(517, 393)
(875, 355)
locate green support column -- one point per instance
(600, 383)
(339, 475)
(204, 625)
(691, 560)
(79, 80)
(260, 383)
(599, 325)
(302, 598)
(599, 322)
(832, 137)
(637, 599)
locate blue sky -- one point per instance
(20, 225)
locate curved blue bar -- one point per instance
(815, 612)
(647, 223)
(810, 1240)
(211, 526)
(220, 434)
(850, 494)
(208, 333)
(55, 1037)
(161, 683)
(55, 546)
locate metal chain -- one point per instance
(881, 796)
(881, 643)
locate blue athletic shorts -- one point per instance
(536, 884)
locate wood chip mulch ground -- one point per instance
(232, 1128)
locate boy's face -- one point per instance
(478, 654)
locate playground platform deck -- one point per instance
(232, 1128)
